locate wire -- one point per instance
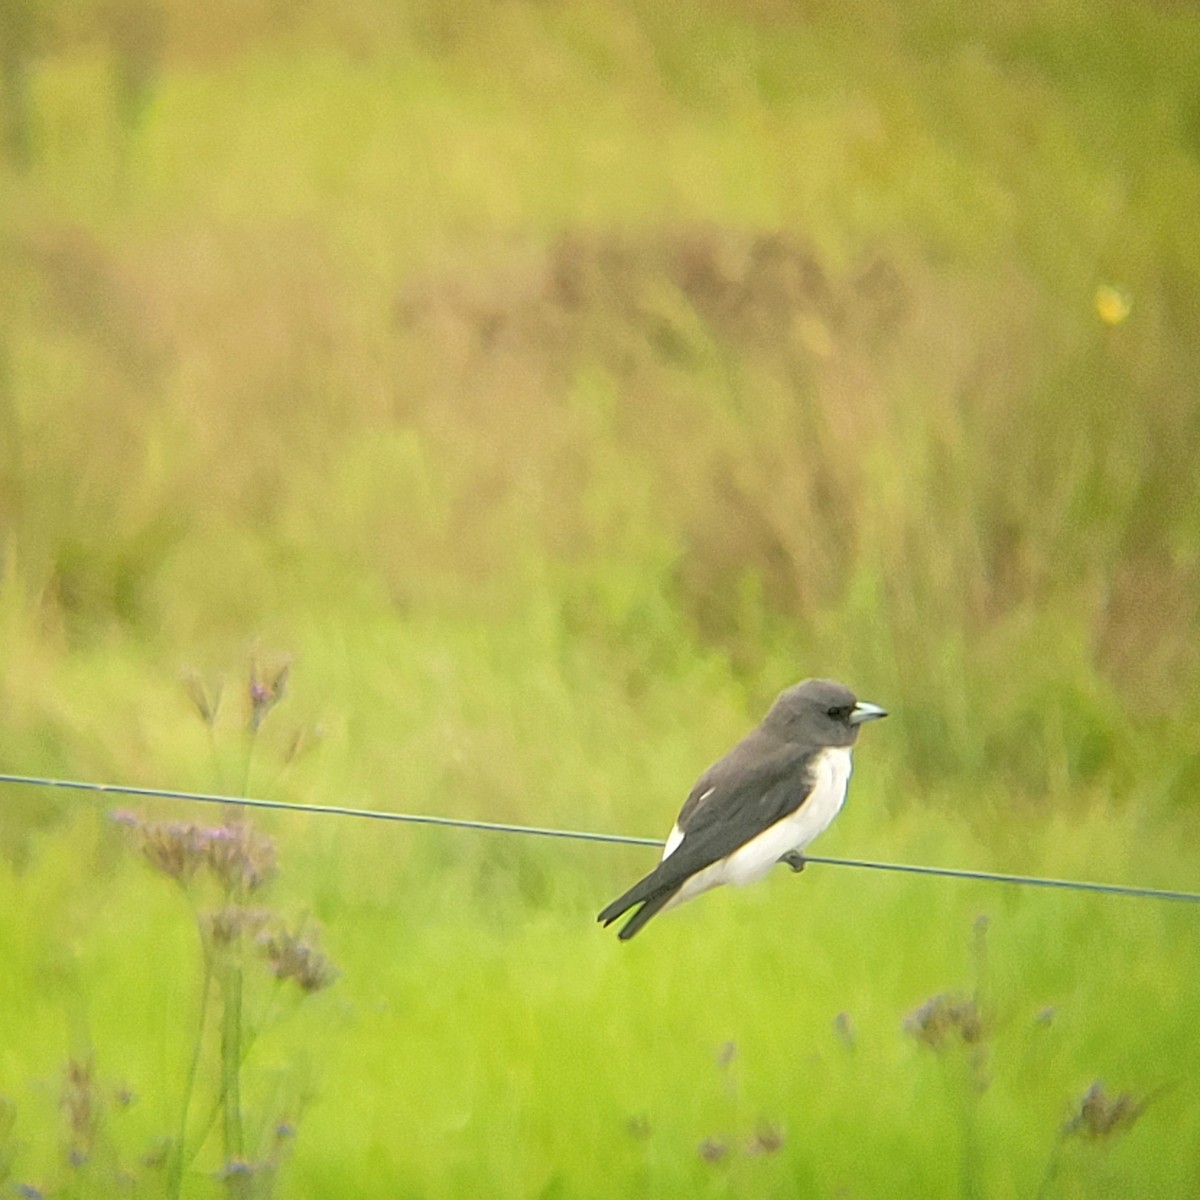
(335, 810)
(585, 835)
(1074, 885)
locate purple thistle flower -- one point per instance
(242, 859)
(173, 847)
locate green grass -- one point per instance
(550, 385)
(481, 1032)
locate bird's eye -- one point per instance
(839, 712)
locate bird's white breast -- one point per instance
(831, 774)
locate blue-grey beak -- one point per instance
(863, 711)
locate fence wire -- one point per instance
(585, 835)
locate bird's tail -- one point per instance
(643, 914)
(651, 902)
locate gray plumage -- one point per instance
(770, 795)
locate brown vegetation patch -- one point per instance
(737, 367)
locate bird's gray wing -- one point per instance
(735, 789)
(756, 784)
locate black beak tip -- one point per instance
(867, 712)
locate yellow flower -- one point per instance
(1112, 304)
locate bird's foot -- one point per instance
(794, 859)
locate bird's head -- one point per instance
(820, 711)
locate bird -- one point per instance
(761, 804)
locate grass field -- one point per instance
(545, 387)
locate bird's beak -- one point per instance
(863, 711)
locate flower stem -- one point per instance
(175, 1177)
(231, 1052)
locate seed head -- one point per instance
(638, 1126)
(843, 1026)
(265, 693)
(945, 1018)
(291, 956)
(176, 848)
(226, 925)
(241, 858)
(1101, 1116)
(768, 1140)
(206, 705)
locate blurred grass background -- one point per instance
(552, 384)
